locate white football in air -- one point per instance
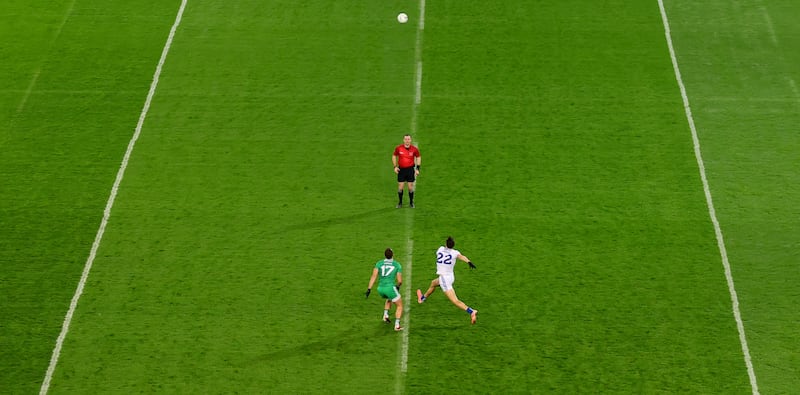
(402, 17)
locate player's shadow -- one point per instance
(430, 328)
(348, 341)
(335, 220)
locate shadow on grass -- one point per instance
(421, 329)
(335, 220)
(347, 341)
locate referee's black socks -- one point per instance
(411, 197)
(400, 197)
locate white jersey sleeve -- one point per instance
(445, 260)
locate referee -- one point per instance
(406, 161)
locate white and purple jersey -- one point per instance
(445, 260)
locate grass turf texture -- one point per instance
(260, 192)
(740, 66)
(70, 99)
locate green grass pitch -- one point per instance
(556, 151)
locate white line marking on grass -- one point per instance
(770, 28)
(418, 67)
(28, 91)
(418, 59)
(709, 201)
(38, 70)
(774, 38)
(793, 85)
(107, 212)
(402, 342)
(407, 299)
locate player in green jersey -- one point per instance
(390, 275)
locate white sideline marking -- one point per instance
(407, 299)
(107, 212)
(712, 213)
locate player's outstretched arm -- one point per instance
(465, 259)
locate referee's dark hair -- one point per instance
(388, 253)
(450, 243)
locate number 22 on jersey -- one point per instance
(445, 259)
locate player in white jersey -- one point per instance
(446, 257)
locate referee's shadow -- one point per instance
(336, 220)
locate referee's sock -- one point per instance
(400, 197)
(411, 197)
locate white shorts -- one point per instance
(446, 281)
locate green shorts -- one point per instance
(389, 292)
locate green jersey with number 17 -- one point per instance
(387, 270)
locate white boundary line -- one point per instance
(407, 291)
(709, 201)
(109, 204)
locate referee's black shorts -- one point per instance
(406, 174)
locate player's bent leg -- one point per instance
(398, 313)
(386, 306)
(473, 314)
(434, 284)
(451, 294)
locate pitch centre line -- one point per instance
(710, 203)
(407, 290)
(109, 204)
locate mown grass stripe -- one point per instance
(710, 202)
(110, 203)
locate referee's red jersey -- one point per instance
(405, 156)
